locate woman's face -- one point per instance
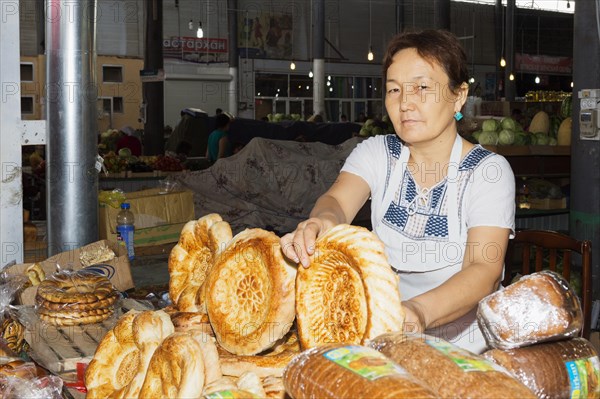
(418, 99)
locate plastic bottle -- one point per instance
(523, 195)
(125, 229)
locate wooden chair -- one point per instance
(550, 249)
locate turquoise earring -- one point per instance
(458, 116)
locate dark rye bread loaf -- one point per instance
(349, 371)
(451, 372)
(554, 370)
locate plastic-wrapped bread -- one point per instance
(563, 369)
(539, 307)
(451, 372)
(349, 371)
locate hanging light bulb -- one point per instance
(571, 85)
(502, 62)
(191, 25)
(199, 32)
(310, 74)
(511, 76)
(328, 83)
(537, 80)
(292, 65)
(328, 77)
(471, 80)
(370, 55)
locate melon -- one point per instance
(540, 123)
(563, 136)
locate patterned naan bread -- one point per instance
(250, 293)
(192, 258)
(349, 293)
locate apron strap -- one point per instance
(452, 177)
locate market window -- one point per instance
(118, 105)
(112, 74)
(271, 85)
(301, 86)
(26, 72)
(26, 105)
(368, 88)
(338, 87)
(107, 106)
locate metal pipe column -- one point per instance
(319, 57)
(584, 217)
(399, 16)
(11, 187)
(71, 93)
(441, 14)
(233, 56)
(509, 85)
(154, 93)
(499, 33)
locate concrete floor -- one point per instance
(149, 270)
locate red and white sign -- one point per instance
(174, 46)
(543, 64)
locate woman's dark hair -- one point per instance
(433, 45)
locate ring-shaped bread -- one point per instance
(250, 293)
(349, 293)
(68, 320)
(75, 287)
(103, 303)
(75, 314)
(193, 256)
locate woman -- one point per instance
(219, 145)
(443, 207)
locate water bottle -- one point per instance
(125, 229)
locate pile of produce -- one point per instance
(279, 117)
(108, 141)
(543, 129)
(375, 127)
(121, 162)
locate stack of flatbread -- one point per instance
(236, 303)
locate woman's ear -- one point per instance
(461, 98)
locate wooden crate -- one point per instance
(59, 349)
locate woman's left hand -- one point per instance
(414, 317)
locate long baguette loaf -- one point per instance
(450, 371)
(351, 371)
(554, 370)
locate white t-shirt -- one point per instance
(415, 226)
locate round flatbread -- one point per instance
(349, 293)
(150, 328)
(115, 362)
(176, 369)
(250, 293)
(193, 256)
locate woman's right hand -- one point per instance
(300, 243)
